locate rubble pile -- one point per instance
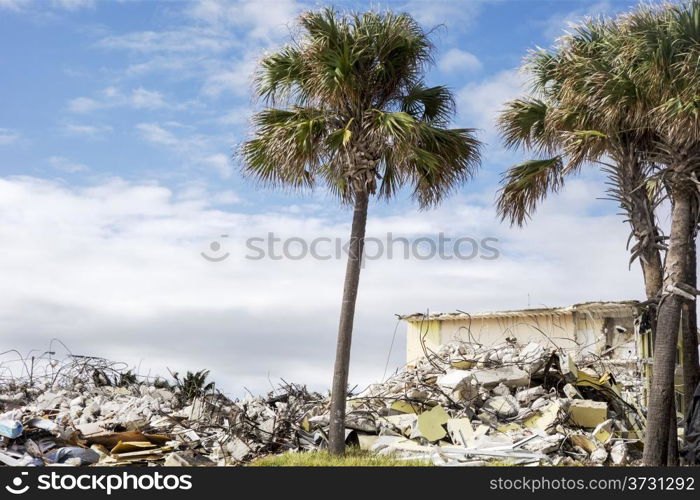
(468, 404)
(85, 417)
(463, 405)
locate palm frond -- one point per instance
(288, 146)
(434, 104)
(435, 160)
(525, 185)
(523, 124)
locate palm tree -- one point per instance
(554, 123)
(348, 108)
(621, 89)
(192, 385)
(662, 53)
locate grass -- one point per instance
(352, 458)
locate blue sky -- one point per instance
(117, 123)
(160, 90)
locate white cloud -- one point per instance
(236, 81)
(208, 43)
(86, 130)
(559, 22)
(210, 28)
(457, 16)
(83, 105)
(147, 99)
(478, 103)
(458, 60)
(152, 132)
(191, 149)
(138, 98)
(184, 40)
(262, 19)
(8, 136)
(236, 117)
(221, 163)
(123, 259)
(65, 165)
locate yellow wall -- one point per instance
(562, 330)
(490, 331)
(429, 330)
(575, 331)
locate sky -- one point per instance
(125, 223)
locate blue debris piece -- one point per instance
(10, 428)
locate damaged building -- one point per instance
(616, 330)
(588, 328)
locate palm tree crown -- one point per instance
(355, 114)
(582, 109)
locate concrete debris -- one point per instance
(403, 423)
(504, 407)
(619, 453)
(465, 405)
(501, 390)
(527, 396)
(571, 392)
(461, 431)
(544, 419)
(584, 442)
(603, 431)
(429, 424)
(599, 455)
(585, 413)
(509, 375)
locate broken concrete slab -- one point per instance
(545, 444)
(619, 453)
(461, 431)
(571, 392)
(461, 364)
(502, 406)
(545, 418)
(238, 449)
(366, 441)
(587, 413)
(187, 459)
(509, 375)
(527, 396)
(429, 424)
(460, 384)
(501, 390)
(404, 422)
(568, 367)
(398, 407)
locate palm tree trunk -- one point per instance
(336, 443)
(641, 219)
(676, 270)
(641, 216)
(672, 457)
(691, 365)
